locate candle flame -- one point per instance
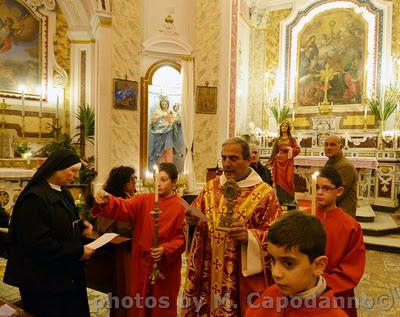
(155, 168)
(315, 175)
(22, 88)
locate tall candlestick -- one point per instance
(314, 193)
(23, 100)
(156, 181)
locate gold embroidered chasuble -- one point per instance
(215, 285)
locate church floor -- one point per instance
(378, 292)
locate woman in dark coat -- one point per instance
(45, 248)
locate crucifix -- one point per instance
(231, 191)
(326, 75)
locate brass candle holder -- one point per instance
(155, 273)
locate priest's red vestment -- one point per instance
(215, 283)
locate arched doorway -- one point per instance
(161, 129)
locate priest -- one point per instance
(226, 265)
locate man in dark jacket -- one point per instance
(256, 165)
(333, 150)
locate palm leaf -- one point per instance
(375, 107)
(388, 108)
(283, 114)
(275, 113)
(86, 128)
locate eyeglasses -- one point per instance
(324, 188)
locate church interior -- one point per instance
(99, 76)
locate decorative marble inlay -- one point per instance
(272, 38)
(256, 77)
(207, 34)
(233, 65)
(125, 124)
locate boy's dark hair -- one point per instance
(297, 229)
(332, 175)
(170, 169)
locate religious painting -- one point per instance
(125, 94)
(206, 99)
(20, 41)
(331, 59)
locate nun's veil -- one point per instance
(57, 161)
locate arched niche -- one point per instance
(144, 110)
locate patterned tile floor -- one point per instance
(378, 292)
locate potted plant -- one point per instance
(390, 100)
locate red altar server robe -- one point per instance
(163, 300)
(272, 303)
(345, 250)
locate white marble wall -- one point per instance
(207, 48)
(256, 76)
(125, 127)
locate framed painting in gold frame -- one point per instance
(125, 94)
(206, 99)
(331, 59)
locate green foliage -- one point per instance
(391, 98)
(85, 132)
(60, 142)
(280, 114)
(22, 148)
(85, 213)
(86, 128)
(87, 172)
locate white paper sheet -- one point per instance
(193, 211)
(6, 310)
(104, 239)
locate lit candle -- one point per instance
(22, 88)
(156, 181)
(314, 193)
(293, 114)
(365, 112)
(346, 140)
(28, 157)
(57, 104)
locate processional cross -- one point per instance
(231, 191)
(326, 75)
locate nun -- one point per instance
(45, 250)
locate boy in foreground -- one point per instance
(296, 244)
